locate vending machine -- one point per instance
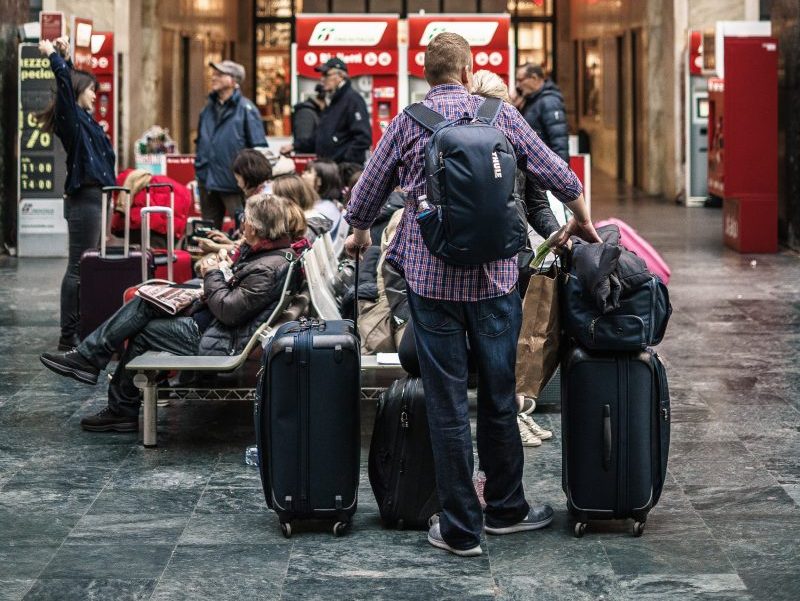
(696, 125)
(103, 68)
(368, 44)
(487, 36)
(743, 143)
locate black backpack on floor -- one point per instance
(470, 170)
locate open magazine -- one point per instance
(170, 298)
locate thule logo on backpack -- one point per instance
(498, 172)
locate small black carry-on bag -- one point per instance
(401, 468)
(308, 422)
(615, 417)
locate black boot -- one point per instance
(108, 421)
(67, 342)
(71, 364)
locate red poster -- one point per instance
(82, 43)
(51, 25)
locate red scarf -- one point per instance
(263, 245)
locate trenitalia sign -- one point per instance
(477, 33)
(347, 33)
(367, 44)
(486, 34)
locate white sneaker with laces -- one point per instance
(535, 428)
(529, 439)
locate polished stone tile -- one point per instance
(738, 499)
(576, 585)
(118, 500)
(372, 587)
(764, 543)
(14, 589)
(139, 529)
(687, 587)
(116, 560)
(233, 529)
(666, 554)
(78, 589)
(770, 584)
(218, 572)
(41, 498)
(232, 499)
(25, 560)
(235, 474)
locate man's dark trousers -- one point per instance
(441, 329)
(146, 328)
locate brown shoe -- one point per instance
(108, 421)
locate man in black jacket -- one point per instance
(305, 120)
(543, 108)
(344, 133)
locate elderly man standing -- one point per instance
(228, 123)
(344, 134)
(450, 303)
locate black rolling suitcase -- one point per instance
(106, 273)
(308, 422)
(615, 416)
(401, 468)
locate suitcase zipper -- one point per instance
(398, 467)
(304, 342)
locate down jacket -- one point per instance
(545, 113)
(244, 303)
(159, 197)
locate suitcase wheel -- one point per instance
(580, 529)
(638, 528)
(339, 528)
(286, 528)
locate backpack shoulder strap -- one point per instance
(427, 118)
(488, 110)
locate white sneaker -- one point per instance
(529, 439)
(535, 428)
(526, 404)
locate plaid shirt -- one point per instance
(398, 160)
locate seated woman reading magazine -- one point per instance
(238, 295)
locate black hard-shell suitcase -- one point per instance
(615, 417)
(106, 273)
(401, 468)
(308, 422)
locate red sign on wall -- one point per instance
(102, 65)
(487, 36)
(367, 44)
(696, 52)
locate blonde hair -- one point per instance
(489, 85)
(293, 187)
(445, 57)
(272, 217)
(135, 181)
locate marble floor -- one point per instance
(96, 516)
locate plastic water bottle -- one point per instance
(251, 455)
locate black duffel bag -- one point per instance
(639, 321)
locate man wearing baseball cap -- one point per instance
(344, 133)
(228, 123)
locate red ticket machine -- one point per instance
(367, 44)
(103, 69)
(487, 36)
(743, 143)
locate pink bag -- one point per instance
(635, 243)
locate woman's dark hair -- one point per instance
(253, 167)
(330, 183)
(80, 81)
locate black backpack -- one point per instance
(474, 217)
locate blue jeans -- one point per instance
(492, 327)
(146, 328)
(82, 212)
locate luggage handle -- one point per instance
(606, 437)
(148, 187)
(146, 239)
(107, 190)
(355, 295)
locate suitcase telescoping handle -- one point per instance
(107, 200)
(146, 212)
(355, 295)
(606, 437)
(149, 187)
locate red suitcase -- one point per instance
(107, 272)
(182, 269)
